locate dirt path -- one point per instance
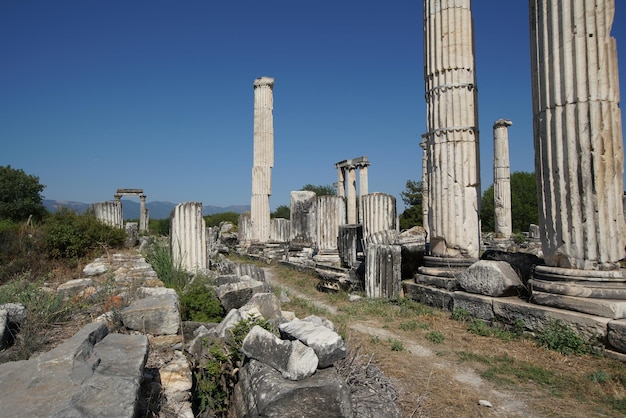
(421, 372)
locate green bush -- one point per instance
(435, 337)
(199, 303)
(70, 235)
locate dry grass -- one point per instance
(447, 376)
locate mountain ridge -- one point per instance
(157, 209)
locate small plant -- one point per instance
(460, 314)
(199, 302)
(599, 376)
(396, 345)
(412, 325)
(519, 238)
(478, 327)
(435, 337)
(559, 337)
(172, 275)
(375, 339)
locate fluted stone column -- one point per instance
(188, 241)
(341, 182)
(452, 136)
(143, 214)
(280, 230)
(351, 198)
(331, 212)
(579, 157)
(502, 179)
(425, 186)
(263, 159)
(303, 218)
(363, 181)
(244, 228)
(109, 213)
(383, 273)
(379, 213)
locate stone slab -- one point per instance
(608, 308)
(537, 317)
(448, 283)
(586, 289)
(478, 306)
(616, 335)
(431, 296)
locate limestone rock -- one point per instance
(491, 278)
(156, 315)
(75, 287)
(79, 378)
(294, 360)
(99, 266)
(235, 295)
(266, 304)
(617, 334)
(327, 344)
(222, 329)
(262, 391)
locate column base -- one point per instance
(442, 272)
(601, 293)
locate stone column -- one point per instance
(143, 221)
(263, 159)
(363, 181)
(452, 136)
(109, 213)
(579, 156)
(244, 228)
(379, 213)
(303, 219)
(502, 179)
(424, 185)
(383, 275)
(351, 200)
(341, 185)
(188, 241)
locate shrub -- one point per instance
(396, 345)
(199, 302)
(70, 235)
(435, 337)
(559, 337)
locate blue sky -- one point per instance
(100, 95)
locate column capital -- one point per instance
(502, 123)
(263, 82)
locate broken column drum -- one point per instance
(502, 179)
(109, 213)
(331, 213)
(188, 241)
(303, 219)
(452, 134)
(379, 213)
(579, 156)
(263, 159)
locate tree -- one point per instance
(412, 198)
(320, 190)
(283, 211)
(20, 195)
(524, 208)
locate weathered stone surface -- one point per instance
(478, 306)
(383, 273)
(294, 360)
(226, 279)
(537, 317)
(153, 315)
(262, 391)
(79, 378)
(222, 329)
(251, 270)
(16, 312)
(74, 287)
(522, 263)
(617, 334)
(99, 266)
(585, 289)
(177, 381)
(235, 295)
(491, 278)
(328, 345)
(318, 320)
(144, 292)
(608, 308)
(428, 295)
(266, 304)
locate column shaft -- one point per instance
(502, 179)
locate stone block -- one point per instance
(235, 295)
(327, 344)
(75, 287)
(608, 308)
(267, 304)
(262, 391)
(294, 360)
(478, 306)
(616, 335)
(428, 295)
(157, 315)
(491, 278)
(536, 317)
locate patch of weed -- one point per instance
(460, 314)
(199, 302)
(599, 376)
(559, 337)
(412, 325)
(396, 345)
(435, 337)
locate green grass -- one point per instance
(435, 337)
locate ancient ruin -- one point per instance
(452, 134)
(263, 159)
(502, 179)
(143, 211)
(346, 187)
(109, 213)
(579, 157)
(188, 241)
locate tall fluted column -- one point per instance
(263, 159)
(143, 214)
(341, 185)
(502, 179)
(352, 215)
(579, 156)
(363, 181)
(452, 136)
(425, 185)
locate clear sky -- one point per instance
(100, 95)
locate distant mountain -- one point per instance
(157, 210)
